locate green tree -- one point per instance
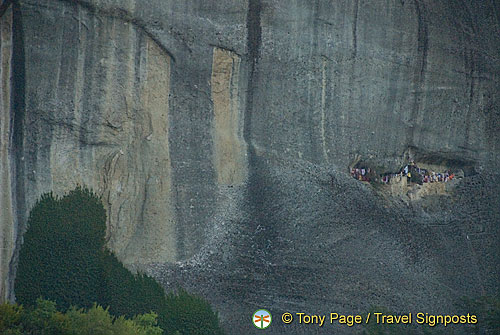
(44, 319)
(10, 319)
(128, 294)
(60, 257)
(189, 314)
(64, 259)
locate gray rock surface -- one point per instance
(219, 134)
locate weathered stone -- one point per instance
(219, 134)
(7, 220)
(230, 161)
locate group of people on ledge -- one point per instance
(412, 172)
(363, 174)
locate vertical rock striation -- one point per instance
(7, 228)
(230, 152)
(94, 112)
(219, 135)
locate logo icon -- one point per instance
(261, 319)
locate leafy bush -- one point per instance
(45, 319)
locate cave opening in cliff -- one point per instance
(413, 172)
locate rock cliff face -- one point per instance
(7, 217)
(219, 134)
